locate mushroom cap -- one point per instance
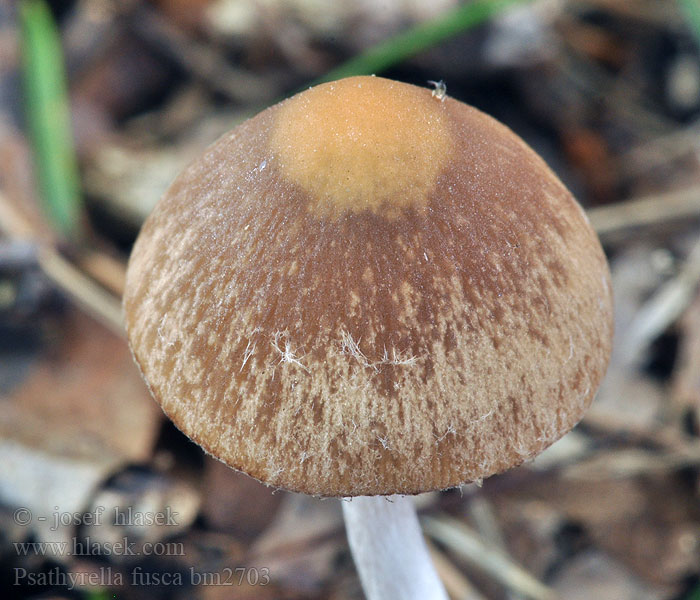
(368, 290)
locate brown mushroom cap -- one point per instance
(367, 290)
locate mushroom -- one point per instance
(367, 290)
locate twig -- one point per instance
(616, 219)
(663, 308)
(484, 518)
(685, 380)
(482, 514)
(456, 583)
(83, 290)
(464, 542)
(632, 462)
(612, 424)
(109, 272)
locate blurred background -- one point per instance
(102, 102)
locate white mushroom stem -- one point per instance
(390, 553)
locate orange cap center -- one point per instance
(363, 143)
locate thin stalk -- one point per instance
(390, 552)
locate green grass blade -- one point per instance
(419, 38)
(694, 594)
(691, 10)
(48, 117)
